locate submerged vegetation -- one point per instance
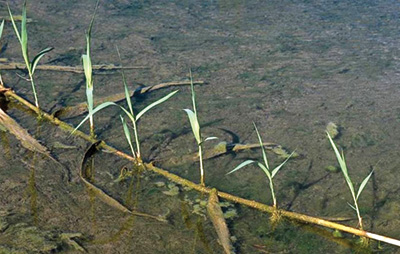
(192, 114)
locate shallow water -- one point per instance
(290, 66)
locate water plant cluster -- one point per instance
(134, 117)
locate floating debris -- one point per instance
(333, 130)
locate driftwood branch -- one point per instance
(206, 190)
(74, 69)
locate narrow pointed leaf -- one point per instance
(36, 59)
(95, 110)
(155, 104)
(362, 186)
(352, 207)
(127, 135)
(262, 147)
(241, 165)
(87, 67)
(273, 173)
(24, 34)
(210, 138)
(1, 28)
(342, 164)
(266, 171)
(14, 25)
(194, 124)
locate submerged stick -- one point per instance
(177, 179)
(217, 217)
(72, 111)
(74, 69)
(27, 141)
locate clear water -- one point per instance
(289, 66)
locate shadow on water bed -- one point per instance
(291, 67)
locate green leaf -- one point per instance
(94, 111)
(273, 173)
(155, 104)
(1, 28)
(262, 147)
(14, 25)
(266, 171)
(342, 164)
(241, 165)
(362, 186)
(24, 35)
(87, 67)
(210, 138)
(127, 94)
(127, 135)
(194, 124)
(36, 59)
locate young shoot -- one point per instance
(87, 67)
(343, 167)
(194, 123)
(131, 115)
(264, 166)
(23, 40)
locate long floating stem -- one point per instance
(177, 179)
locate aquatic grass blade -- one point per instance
(14, 25)
(210, 138)
(265, 169)
(241, 165)
(127, 135)
(262, 147)
(36, 59)
(352, 207)
(273, 173)
(363, 184)
(1, 28)
(342, 163)
(24, 34)
(194, 124)
(87, 67)
(152, 105)
(94, 111)
(127, 94)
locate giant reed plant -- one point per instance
(23, 40)
(87, 67)
(194, 123)
(130, 114)
(343, 167)
(265, 167)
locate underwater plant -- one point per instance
(23, 40)
(265, 167)
(194, 123)
(343, 167)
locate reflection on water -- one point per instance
(290, 66)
